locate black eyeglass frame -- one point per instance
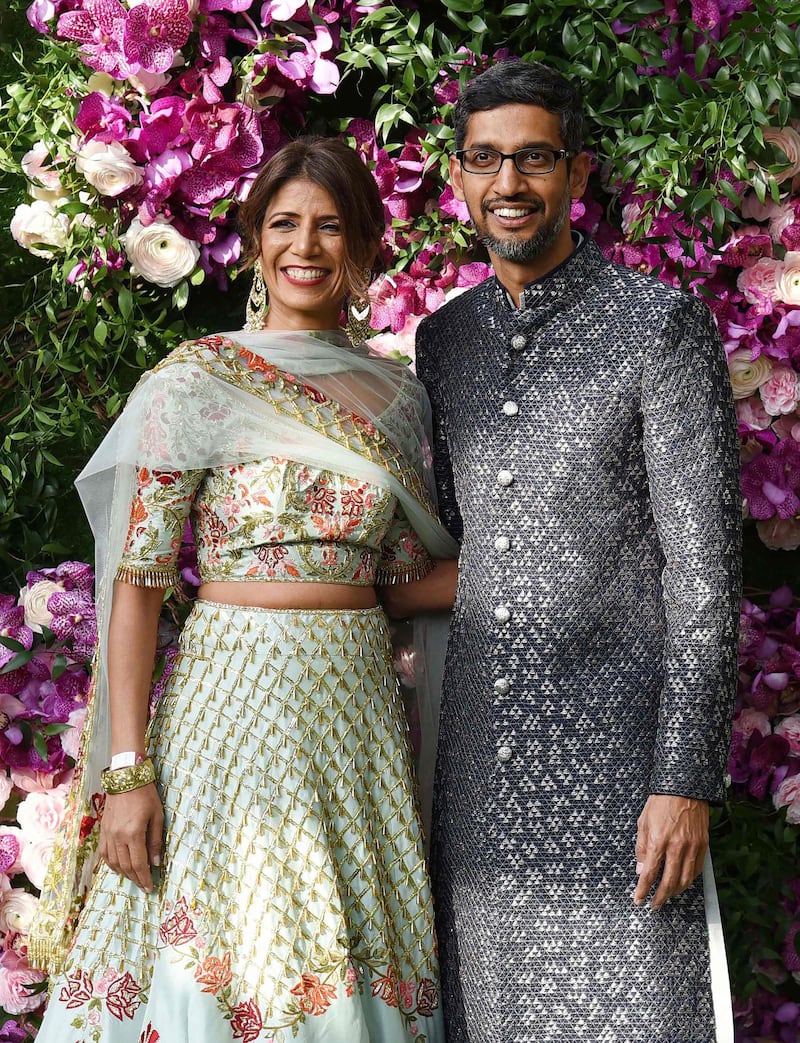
(556, 153)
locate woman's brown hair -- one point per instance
(338, 169)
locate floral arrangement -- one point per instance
(164, 111)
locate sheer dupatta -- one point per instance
(221, 401)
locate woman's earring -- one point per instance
(359, 314)
(256, 309)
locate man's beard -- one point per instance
(520, 251)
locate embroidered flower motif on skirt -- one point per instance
(149, 1034)
(122, 994)
(178, 928)
(214, 973)
(246, 1022)
(315, 995)
(385, 988)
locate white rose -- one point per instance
(37, 224)
(16, 910)
(787, 286)
(788, 141)
(159, 253)
(747, 375)
(34, 601)
(108, 166)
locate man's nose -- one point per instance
(508, 180)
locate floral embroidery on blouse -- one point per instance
(271, 519)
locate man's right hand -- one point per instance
(131, 834)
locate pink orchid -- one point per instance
(102, 118)
(100, 28)
(154, 31)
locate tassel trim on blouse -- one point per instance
(403, 572)
(148, 577)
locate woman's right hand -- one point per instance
(131, 832)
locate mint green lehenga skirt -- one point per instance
(293, 904)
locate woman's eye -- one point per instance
(282, 223)
(331, 226)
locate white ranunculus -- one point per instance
(38, 224)
(108, 166)
(747, 375)
(34, 602)
(16, 910)
(159, 253)
(787, 288)
(788, 141)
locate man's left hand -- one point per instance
(673, 838)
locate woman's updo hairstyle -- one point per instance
(338, 169)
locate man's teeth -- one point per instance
(507, 211)
(307, 274)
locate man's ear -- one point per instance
(579, 174)
(456, 182)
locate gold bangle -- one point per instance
(122, 780)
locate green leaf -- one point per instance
(40, 745)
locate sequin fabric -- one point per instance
(586, 456)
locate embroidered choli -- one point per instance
(271, 519)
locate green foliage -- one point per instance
(755, 854)
(673, 135)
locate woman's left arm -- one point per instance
(435, 592)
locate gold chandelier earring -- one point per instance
(256, 309)
(359, 312)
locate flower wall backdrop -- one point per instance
(131, 130)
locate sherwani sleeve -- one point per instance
(442, 465)
(691, 453)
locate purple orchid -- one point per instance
(99, 28)
(154, 31)
(771, 482)
(102, 118)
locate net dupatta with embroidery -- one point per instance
(220, 401)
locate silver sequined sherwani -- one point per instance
(586, 455)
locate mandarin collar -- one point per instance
(560, 285)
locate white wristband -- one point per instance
(123, 760)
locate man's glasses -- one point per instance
(526, 160)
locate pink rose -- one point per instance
(779, 533)
(789, 728)
(758, 283)
(401, 343)
(35, 858)
(750, 413)
(787, 795)
(70, 739)
(15, 974)
(40, 814)
(780, 216)
(788, 141)
(750, 721)
(779, 393)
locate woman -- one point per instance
(262, 874)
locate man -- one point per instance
(586, 458)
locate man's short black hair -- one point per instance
(526, 83)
